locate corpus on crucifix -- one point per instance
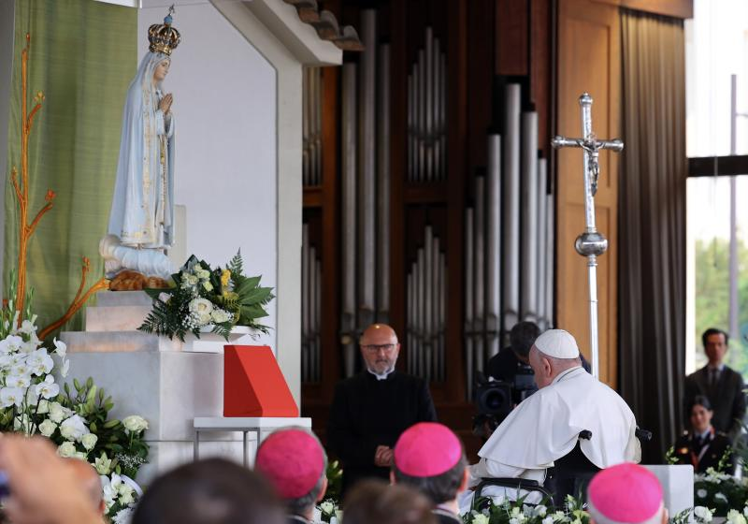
(591, 243)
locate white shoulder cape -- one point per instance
(546, 425)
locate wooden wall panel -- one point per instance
(589, 60)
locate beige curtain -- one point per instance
(652, 256)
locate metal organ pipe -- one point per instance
(349, 165)
(367, 171)
(511, 225)
(383, 186)
(530, 238)
(493, 246)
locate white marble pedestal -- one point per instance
(169, 384)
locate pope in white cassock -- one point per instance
(546, 426)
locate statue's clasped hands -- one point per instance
(165, 103)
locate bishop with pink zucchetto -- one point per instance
(430, 458)
(295, 464)
(626, 494)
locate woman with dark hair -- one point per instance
(703, 446)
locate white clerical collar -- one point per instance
(566, 373)
(382, 376)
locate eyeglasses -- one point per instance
(375, 348)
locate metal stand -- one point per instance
(591, 243)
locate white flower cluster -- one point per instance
(119, 489)
(202, 311)
(735, 517)
(328, 511)
(25, 370)
(702, 514)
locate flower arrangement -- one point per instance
(77, 422)
(720, 491)
(518, 512)
(329, 511)
(204, 298)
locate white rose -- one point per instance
(43, 407)
(479, 518)
(57, 413)
(134, 423)
(67, 450)
(219, 316)
(201, 306)
(73, 428)
(89, 441)
(47, 427)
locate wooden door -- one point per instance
(588, 60)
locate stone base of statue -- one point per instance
(170, 383)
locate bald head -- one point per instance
(89, 481)
(379, 348)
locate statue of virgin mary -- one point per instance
(141, 222)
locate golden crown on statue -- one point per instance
(163, 37)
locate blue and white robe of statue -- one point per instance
(142, 212)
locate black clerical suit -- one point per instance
(368, 412)
(725, 393)
(703, 453)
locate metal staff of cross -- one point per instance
(591, 243)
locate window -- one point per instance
(717, 205)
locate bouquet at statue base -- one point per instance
(517, 511)
(79, 424)
(208, 299)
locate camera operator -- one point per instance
(514, 360)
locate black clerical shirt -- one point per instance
(367, 412)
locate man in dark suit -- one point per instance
(372, 409)
(720, 384)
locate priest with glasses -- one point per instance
(372, 409)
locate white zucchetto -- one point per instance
(557, 343)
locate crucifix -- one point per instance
(590, 243)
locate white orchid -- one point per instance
(40, 362)
(10, 396)
(60, 347)
(48, 389)
(18, 381)
(11, 344)
(65, 368)
(27, 327)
